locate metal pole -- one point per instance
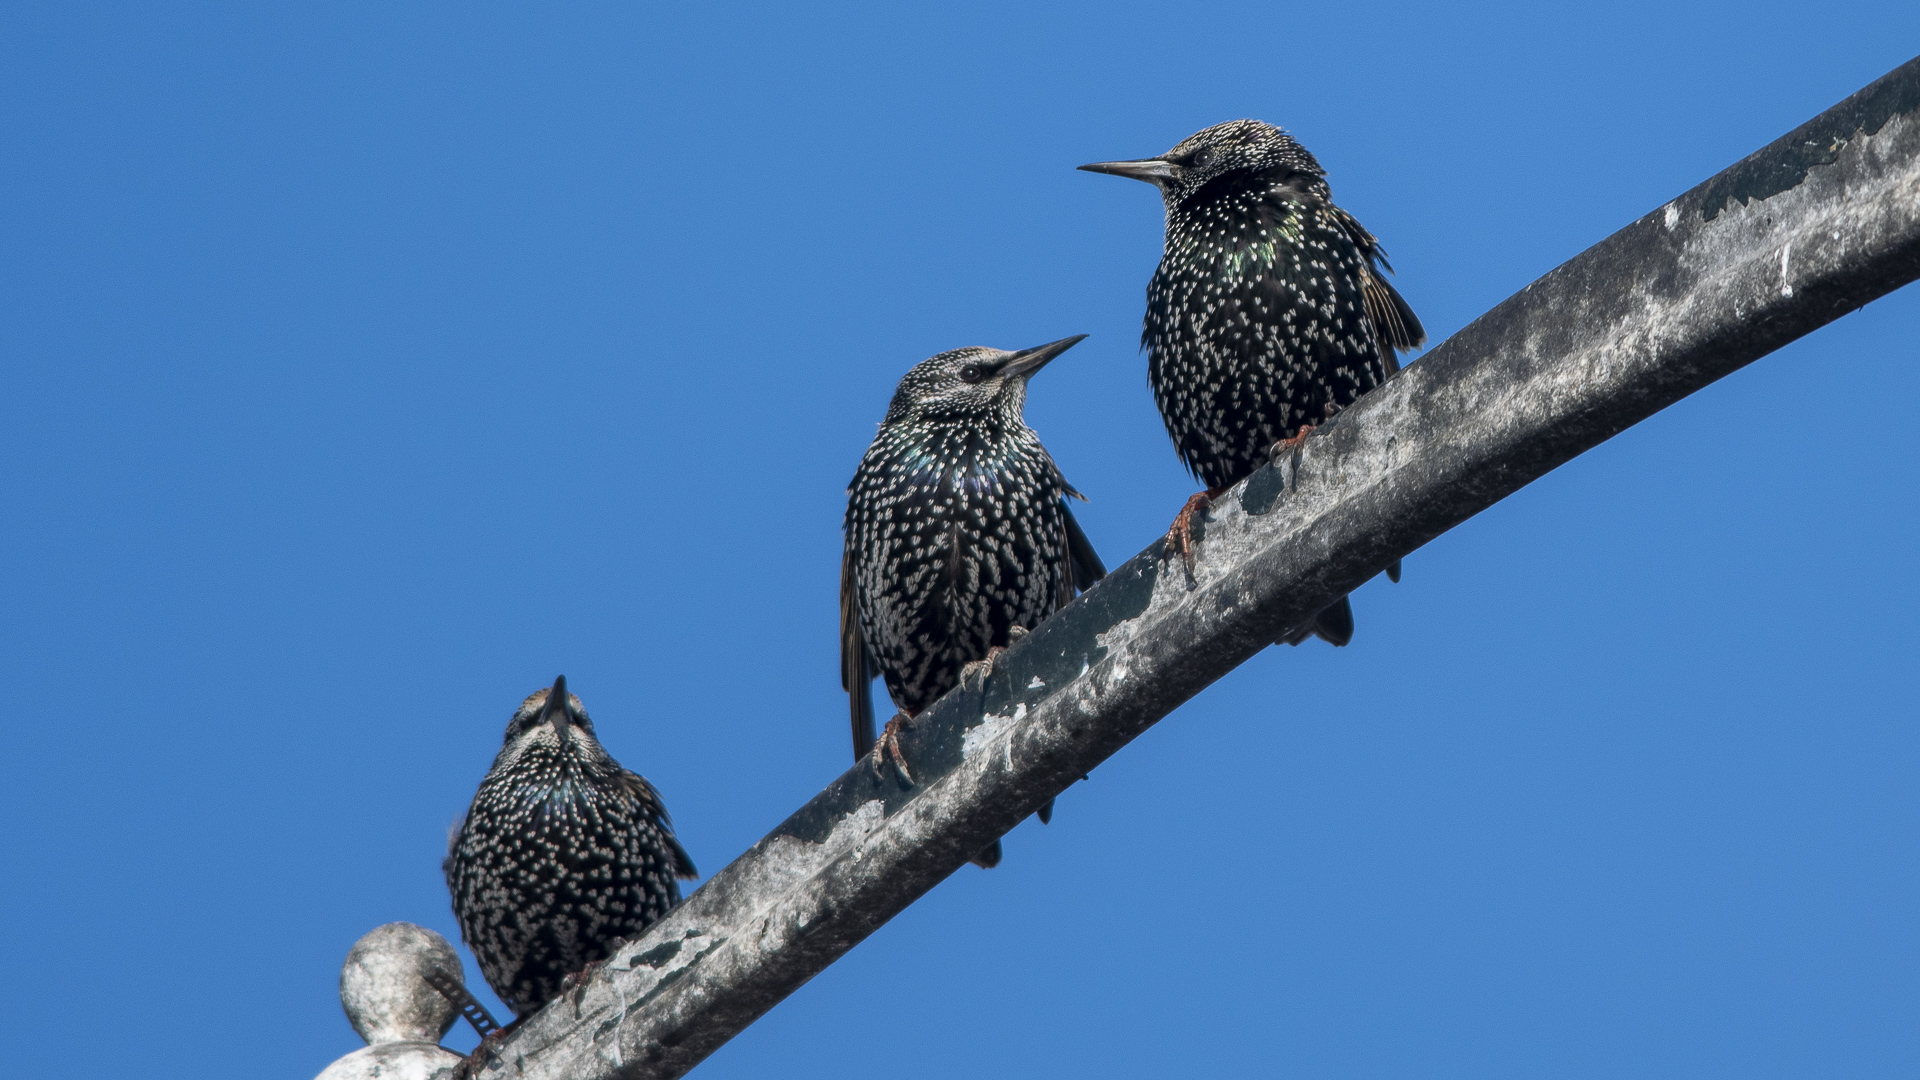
(1819, 223)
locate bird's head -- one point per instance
(1237, 147)
(971, 382)
(553, 722)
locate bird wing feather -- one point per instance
(453, 846)
(856, 673)
(1391, 315)
(1083, 563)
(657, 810)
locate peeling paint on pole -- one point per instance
(1816, 225)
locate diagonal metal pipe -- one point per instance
(1813, 226)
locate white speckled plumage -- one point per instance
(562, 855)
(1269, 311)
(956, 530)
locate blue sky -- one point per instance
(419, 353)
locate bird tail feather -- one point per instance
(860, 698)
(1334, 625)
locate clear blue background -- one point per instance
(365, 368)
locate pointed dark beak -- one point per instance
(556, 712)
(1155, 171)
(1027, 361)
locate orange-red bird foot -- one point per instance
(1180, 533)
(888, 746)
(1289, 444)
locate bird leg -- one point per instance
(475, 1064)
(1180, 533)
(576, 982)
(973, 676)
(888, 746)
(1291, 443)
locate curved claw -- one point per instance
(973, 676)
(888, 746)
(1180, 533)
(1289, 444)
(475, 1064)
(576, 982)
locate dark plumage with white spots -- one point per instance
(1269, 313)
(562, 856)
(958, 536)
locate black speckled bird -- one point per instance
(1269, 313)
(562, 856)
(958, 538)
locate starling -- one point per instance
(959, 539)
(563, 855)
(1269, 313)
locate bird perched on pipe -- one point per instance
(959, 540)
(563, 855)
(1269, 313)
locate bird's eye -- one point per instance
(972, 373)
(1204, 158)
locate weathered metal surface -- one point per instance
(1815, 225)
